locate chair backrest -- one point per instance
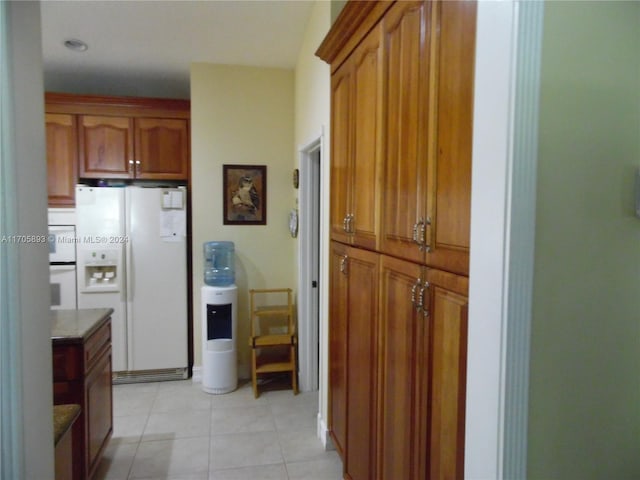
(271, 311)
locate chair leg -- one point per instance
(254, 379)
(294, 372)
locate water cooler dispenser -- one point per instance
(219, 319)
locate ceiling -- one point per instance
(145, 48)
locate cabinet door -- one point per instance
(62, 158)
(341, 159)
(404, 367)
(162, 148)
(449, 314)
(406, 41)
(99, 411)
(338, 295)
(106, 147)
(366, 174)
(363, 274)
(452, 203)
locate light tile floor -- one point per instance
(175, 431)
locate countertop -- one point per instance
(77, 325)
(63, 418)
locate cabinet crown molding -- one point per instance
(353, 23)
(109, 105)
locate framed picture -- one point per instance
(245, 194)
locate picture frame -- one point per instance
(245, 194)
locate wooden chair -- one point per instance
(273, 339)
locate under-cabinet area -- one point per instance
(401, 131)
(113, 138)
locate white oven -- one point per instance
(62, 266)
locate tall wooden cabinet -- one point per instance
(406, 133)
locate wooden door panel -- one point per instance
(338, 295)
(402, 329)
(456, 48)
(341, 129)
(405, 184)
(162, 148)
(367, 140)
(106, 146)
(362, 271)
(449, 313)
(62, 158)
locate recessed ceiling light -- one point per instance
(76, 45)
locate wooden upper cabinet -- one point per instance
(341, 158)
(356, 147)
(127, 137)
(142, 148)
(405, 214)
(162, 148)
(451, 209)
(106, 146)
(62, 159)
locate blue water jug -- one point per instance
(219, 266)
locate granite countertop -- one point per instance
(63, 418)
(77, 324)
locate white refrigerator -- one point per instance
(132, 257)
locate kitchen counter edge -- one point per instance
(72, 326)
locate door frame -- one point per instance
(503, 200)
(310, 259)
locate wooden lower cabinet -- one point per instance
(449, 321)
(82, 375)
(353, 377)
(403, 393)
(397, 392)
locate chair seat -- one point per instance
(271, 340)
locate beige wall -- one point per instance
(312, 98)
(585, 336)
(242, 115)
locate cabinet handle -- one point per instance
(415, 233)
(131, 162)
(137, 167)
(413, 292)
(343, 264)
(345, 223)
(423, 235)
(425, 309)
(350, 224)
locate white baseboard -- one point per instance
(244, 373)
(323, 434)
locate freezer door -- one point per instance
(101, 276)
(157, 278)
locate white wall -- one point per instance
(312, 101)
(242, 115)
(31, 187)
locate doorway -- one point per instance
(309, 261)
